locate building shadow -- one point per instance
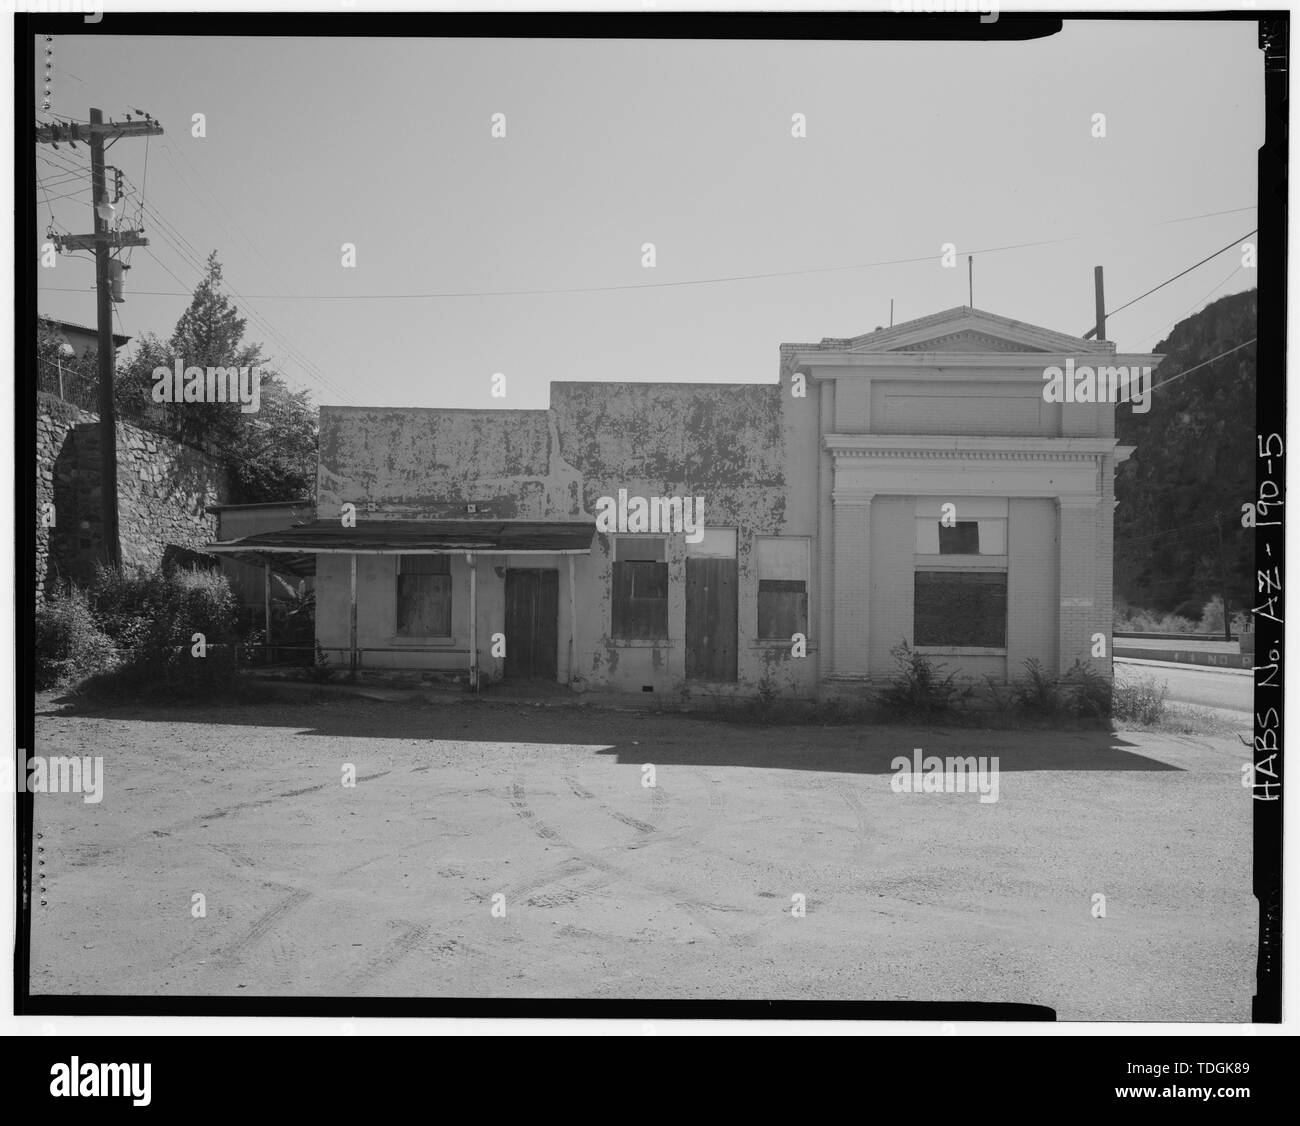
(632, 736)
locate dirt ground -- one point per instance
(613, 889)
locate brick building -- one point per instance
(914, 483)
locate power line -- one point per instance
(693, 281)
(261, 322)
(1153, 337)
(1188, 371)
(1189, 269)
(191, 261)
(1180, 530)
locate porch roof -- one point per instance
(418, 537)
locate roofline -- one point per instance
(78, 325)
(261, 504)
(232, 547)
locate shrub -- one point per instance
(1088, 693)
(69, 644)
(160, 613)
(918, 689)
(321, 672)
(1133, 620)
(1141, 700)
(999, 696)
(125, 601)
(1038, 692)
(1212, 618)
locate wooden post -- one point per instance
(1100, 297)
(473, 621)
(353, 625)
(104, 318)
(573, 619)
(266, 599)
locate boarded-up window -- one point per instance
(640, 602)
(423, 596)
(961, 539)
(961, 608)
(782, 587)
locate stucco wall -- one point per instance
(1033, 567)
(749, 450)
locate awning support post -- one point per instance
(352, 643)
(573, 618)
(473, 621)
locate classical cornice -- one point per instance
(964, 448)
(1010, 366)
(1009, 333)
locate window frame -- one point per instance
(621, 616)
(398, 633)
(977, 510)
(962, 648)
(806, 541)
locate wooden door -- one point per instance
(532, 623)
(711, 601)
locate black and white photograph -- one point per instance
(525, 515)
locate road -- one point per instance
(1227, 689)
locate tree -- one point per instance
(269, 454)
(57, 364)
(1195, 458)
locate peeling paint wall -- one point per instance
(749, 450)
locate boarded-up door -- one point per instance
(711, 619)
(532, 623)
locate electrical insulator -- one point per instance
(117, 184)
(115, 280)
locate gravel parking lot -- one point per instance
(612, 888)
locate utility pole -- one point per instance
(101, 241)
(112, 544)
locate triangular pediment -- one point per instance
(968, 330)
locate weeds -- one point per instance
(919, 690)
(1141, 700)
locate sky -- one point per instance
(387, 144)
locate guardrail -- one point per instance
(1189, 657)
(1178, 636)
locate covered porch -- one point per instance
(435, 594)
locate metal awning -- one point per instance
(418, 537)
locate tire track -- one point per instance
(700, 911)
(262, 926)
(394, 953)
